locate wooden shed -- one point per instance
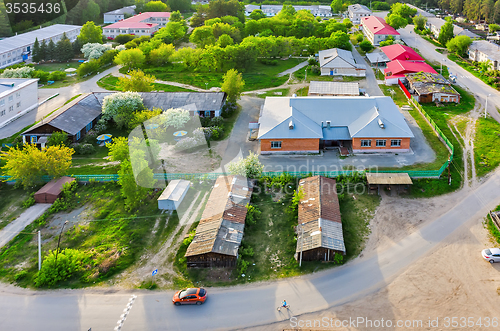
(319, 232)
(218, 236)
(52, 190)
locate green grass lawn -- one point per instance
(114, 239)
(303, 92)
(109, 82)
(52, 66)
(259, 77)
(441, 115)
(486, 145)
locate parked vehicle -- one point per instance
(190, 296)
(491, 255)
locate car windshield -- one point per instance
(487, 252)
(187, 292)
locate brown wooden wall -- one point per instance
(210, 260)
(318, 254)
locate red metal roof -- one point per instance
(401, 52)
(137, 21)
(400, 68)
(378, 25)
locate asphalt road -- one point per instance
(372, 87)
(241, 306)
(464, 78)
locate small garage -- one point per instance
(173, 195)
(52, 190)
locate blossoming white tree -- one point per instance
(23, 72)
(176, 117)
(249, 167)
(120, 107)
(94, 50)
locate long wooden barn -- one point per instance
(319, 229)
(218, 236)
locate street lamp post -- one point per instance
(206, 86)
(486, 106)
(59, 241)
(305, 79)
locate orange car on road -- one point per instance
(190, 296)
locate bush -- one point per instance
(69, 262)
(316, 70)
(30, 201)
(43, 76)
(253, 214)
(124, 38)
(269, 62)
(57, 139)
(365, 46)
(228, 109)
(88, 68)
(359, 38)
(83, 149)
(101, 126)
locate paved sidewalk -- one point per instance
(13, 229)
(292, 70)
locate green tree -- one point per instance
(456, 6)
(365, 46)
(487, 10)
(118, 150)
(249, 167)
(58, 139)
(286, 13)
(155, 6)
(120, 107)
(202, 36)
(64, 49)
(133, 193)
(145, 115)
(224, 41)
(459, 45)
(51, 51)
(420, 22)
(91, 12)
(124, 38)
(444, 4)
(496, 12)
(257, 14)
(388, 41)
(139, 6)
(28, 164)
(161, 55)
(337, 6)
(5, 28)
(176, 16)
(396, 21)
(446, 33)
(36, 51)
(220, 8)
(90, 33)
(494, 27)
(130, 58)
(347, 22)
(233, 85)
(183, 6)
(137, 81)
(43, 51)
(69, 262)
(403, 10)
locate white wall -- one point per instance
(18, 101)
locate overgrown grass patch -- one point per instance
(11, 202)
(112, 237)
(486, 145)
(110, 82)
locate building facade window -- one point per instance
(33, 139)
(2, 112)
(11, 108)
(89, 126)
(78, 135)
(18, 105)
(395, 142)
(11, 97)
(18, 94)
(2, 102)
(275, 144)
(366, 143)
(380, 143)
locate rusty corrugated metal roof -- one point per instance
(223, 219)
(320, 224)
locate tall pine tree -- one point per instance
(64, 49)
(5, 28)
(51, 50)
(36, 52)
(43, 51)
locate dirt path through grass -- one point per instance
(154, 258)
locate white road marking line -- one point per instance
(123, 316)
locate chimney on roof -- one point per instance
(290, 125)
(322, 124)
(381, 124)
(328, 123)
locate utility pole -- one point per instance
(39, 251)
(301, 244)
(305, 79)
(59, 241)
(486, 106)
